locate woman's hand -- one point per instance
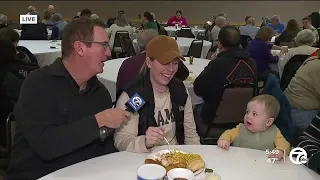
(154, 136)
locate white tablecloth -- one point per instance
(184, 45)
(49, 32)
(171, 30)
(111, 69)
(275, 66)
(234, 164)
(41, 49)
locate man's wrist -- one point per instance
(99, 121)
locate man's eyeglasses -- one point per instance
(105, 45)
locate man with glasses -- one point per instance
(64, 113)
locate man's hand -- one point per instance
(154, 136)
(224, 144)
(112, 118)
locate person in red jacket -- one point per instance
(178, 19)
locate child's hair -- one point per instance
(271, 104)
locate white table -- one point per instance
(237, 163)
(171, 30)
(111, 69)
(275, 66)
(48, 30)
(184, 45)
(41, 49)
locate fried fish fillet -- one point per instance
(151, 161)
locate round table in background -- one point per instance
(171, 30)
(236, 163)
(48, 30)
(184, 45)
(41, 49)
(111, 69)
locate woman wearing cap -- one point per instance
(168, 108)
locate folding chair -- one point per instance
(195, 48)
(236, 96)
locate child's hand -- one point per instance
(223, 144)
(279, 156)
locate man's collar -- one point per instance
(58, 69)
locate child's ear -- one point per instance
(269, 122)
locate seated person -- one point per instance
(310, 141)
(177, 19)
(161, 29)
(276, 25)
(7, 54)
(47, 18)
(14, 37)
(58, 25)
(58, 128)
(303, 93)
(149, 22)
(258, 130)
(31, 9)
(15, 67)
(249, 29)
(34, 31)
(220, 22)
(3, 21)
(289, 33)
(304, 41)
(260, 49)
(120, 24)
(86, 13)
(130, 68)
(168, 108)
(210, 83)
(308, 25)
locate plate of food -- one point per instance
(171, 159)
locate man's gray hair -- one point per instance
(305, 37)
(3, 19)
(220, 20)
(144, 36)
(56, 17)
(94, 16)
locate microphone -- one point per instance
(135, 103)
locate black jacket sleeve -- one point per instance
(41, 124)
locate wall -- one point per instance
(196, 11)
